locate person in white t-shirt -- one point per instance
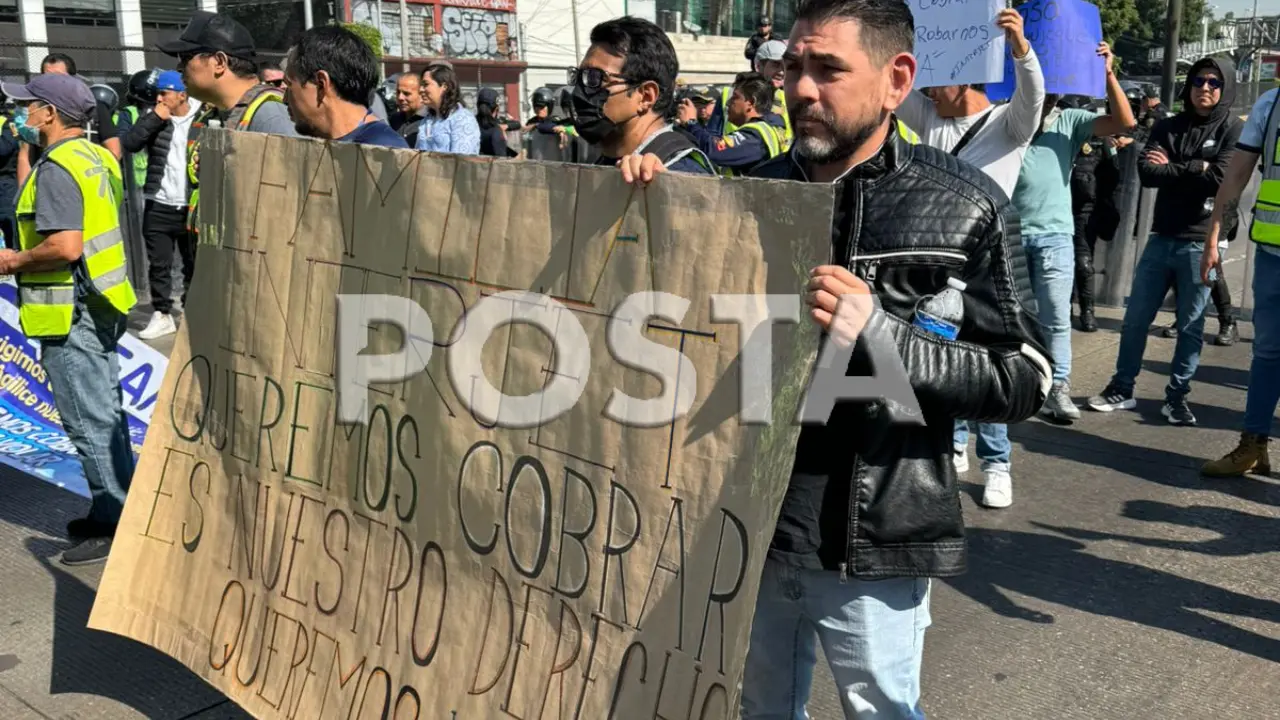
(947, 116)
(163, 134)
(961, 120)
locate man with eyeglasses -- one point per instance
(1185, 159)
(219, 65)
(622, 92)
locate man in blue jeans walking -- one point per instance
(1043, 199)
(1185, 158)
(1259, 141)
(872, 510)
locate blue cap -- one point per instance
(170, 80)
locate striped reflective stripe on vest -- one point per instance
(47, 295)
(1266, 210)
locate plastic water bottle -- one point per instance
(942, 314)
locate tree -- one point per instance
(1119, 17)
(371, 35)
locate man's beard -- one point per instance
(845, 139)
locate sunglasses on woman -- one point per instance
(1213, 82)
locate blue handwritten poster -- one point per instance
(31, 434)
(1065, 35)
(957, 42)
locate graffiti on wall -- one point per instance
(479, 34)
(423, 39)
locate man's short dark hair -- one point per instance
(886, 27)
(350, 63)
(59, 59)
(242, 68)
(756, 89)
(266, 65)
(647, 55)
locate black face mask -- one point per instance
(587, 111)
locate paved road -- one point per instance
(1120, 585)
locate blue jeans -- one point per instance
(872, 633)
(1051, 260)
(1165, 263)
(85, 374)
(1264, 372)
(994, 449)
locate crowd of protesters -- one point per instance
(996, 195)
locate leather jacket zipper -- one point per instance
(872, 260)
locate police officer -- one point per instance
(754, 140)
(768, 62)
(541, 101)
(74, 293)
(9, 148)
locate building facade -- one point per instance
(480, 38)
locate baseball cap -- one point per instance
(772, 50)
(1151, 91)
(702, 94)
(67, 93)
(210, 32)
(488, 96)
(170, 80)
(765, 20)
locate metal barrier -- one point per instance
(1117, 261)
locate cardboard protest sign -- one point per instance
(433, 560)
(1065, 35)
(957, 42)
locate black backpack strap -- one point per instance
(971, 133)
(671, 146)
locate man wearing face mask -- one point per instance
(1185, 158)
(74, 293)
(622, 93)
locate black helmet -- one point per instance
(542, 97)
(142, 87)
(105, 95)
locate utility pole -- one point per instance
(404, 33)
(1172, 28)
(577, 41)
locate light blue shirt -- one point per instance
(1254, 135)
(459, 133)
(1043, 193)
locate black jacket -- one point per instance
(406, 125)
(753, 44)
(153, 135)
(1198, 149)
(906, 221)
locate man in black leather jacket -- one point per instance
(873, 511)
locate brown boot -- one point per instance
(1249, 456)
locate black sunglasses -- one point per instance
(589, 78)
(1213, 82)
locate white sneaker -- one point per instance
(999, 489)
(961, 460)
(161, 324)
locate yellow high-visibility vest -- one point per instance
(906, 133)
(1266, 209)
(771, 135)
(140, 159)
(240, 118)
(779, 107)
(46, 299)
